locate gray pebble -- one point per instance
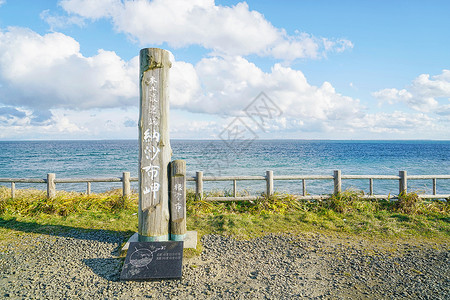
(83, 265)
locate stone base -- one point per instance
(190, 240)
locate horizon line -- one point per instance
(196, 139)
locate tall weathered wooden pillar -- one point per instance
(154, 145)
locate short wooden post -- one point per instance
(178, 200)
(269, 183)
(13, 190)
(403, 182)
(51, 186)
(235, 188)
(304, 187)
(199, 184)
(126, 187)
(337, 181)
(154, 145)
(434, 187)
(371, 186)
(88, 188)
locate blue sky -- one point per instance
(336, 69)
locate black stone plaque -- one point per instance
(153, 260)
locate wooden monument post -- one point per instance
(178, 200)
(154, 146)
(156, 176)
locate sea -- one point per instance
(109, 158)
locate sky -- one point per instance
(363, 70)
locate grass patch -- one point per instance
(347, 212)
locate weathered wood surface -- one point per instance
(13, 190)
(199, 179)
(229, 178)
(370, 186)
(88, 188)
(126, 187)
(269, 183)
(199, 184)
(337, 181)
(231, 199)
(428, 176)
(178, 200)
(403, 185)
(300, 177)
(23, 180)
(83, 180)
(304, 187)
(154, 145)
(434, 186)
(382, 177)
(51, 186)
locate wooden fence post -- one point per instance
(371, 186)
(303, 187)
(403, 182)
(434, 186)
(154, 145)
(199, 184)
(269, 183)
(178, 200)
(126, 187)
(88, 188)
(51, 186)
(13, 190)
(337, 181)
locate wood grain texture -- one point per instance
(51, 186)
(178, 200)
(154, 145)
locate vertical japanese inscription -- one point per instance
(154, 145)
(151, 143)
(178, 205)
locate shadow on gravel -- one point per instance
(106, 236)
(107, 268)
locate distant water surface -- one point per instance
(70, 159)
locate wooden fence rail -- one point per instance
(269, 178)
(337, 178)
(51, 182)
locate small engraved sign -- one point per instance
(153, 260)
(177, 204)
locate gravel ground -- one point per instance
(84, 265)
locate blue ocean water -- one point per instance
(70, 159)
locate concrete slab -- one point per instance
(190, 240)
(132, 239)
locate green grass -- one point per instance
(345, 213)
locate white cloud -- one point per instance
(444, 110)
(229, 84)
(396, 122)
(423, 94)
(50, 89)
(226, 30)
(184, 83)
(109, 123)
(20, 122)
(48, 71)
(92, 9)
(393, 95)
(2, 2)
(56, 21)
